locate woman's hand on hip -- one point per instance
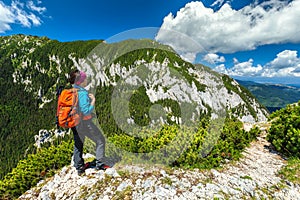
(92, 97)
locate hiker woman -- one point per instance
(86, 127)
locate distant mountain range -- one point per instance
(273, 96)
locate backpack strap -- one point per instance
(75, 94)
(75, 101)
(58, 92)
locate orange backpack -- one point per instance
(67, 115)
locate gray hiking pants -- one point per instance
(87, 128)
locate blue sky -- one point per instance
(251, 40)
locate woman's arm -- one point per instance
(92, 97)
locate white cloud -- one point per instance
(33, 7)
(286, 64)
(245, 68)
(240, 69)
(221, 68)
(188, 56)
(219, 3)
(6, 17)
(297, 70)
(213, 58)
(227, 30)
(17, 13)
(34, 19)
(286, 58)
(185, 46)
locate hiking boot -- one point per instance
(92, 164)
(80, 172)
(82, 169)
(102, 167)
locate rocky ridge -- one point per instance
(255, 176)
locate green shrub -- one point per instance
(227, 145)
(230, 144)
(284, 132)
(33, 169)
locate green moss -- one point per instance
(166, 180)
(124, 194)
(291, 171)
(246, 177)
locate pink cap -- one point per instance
(81, 78)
